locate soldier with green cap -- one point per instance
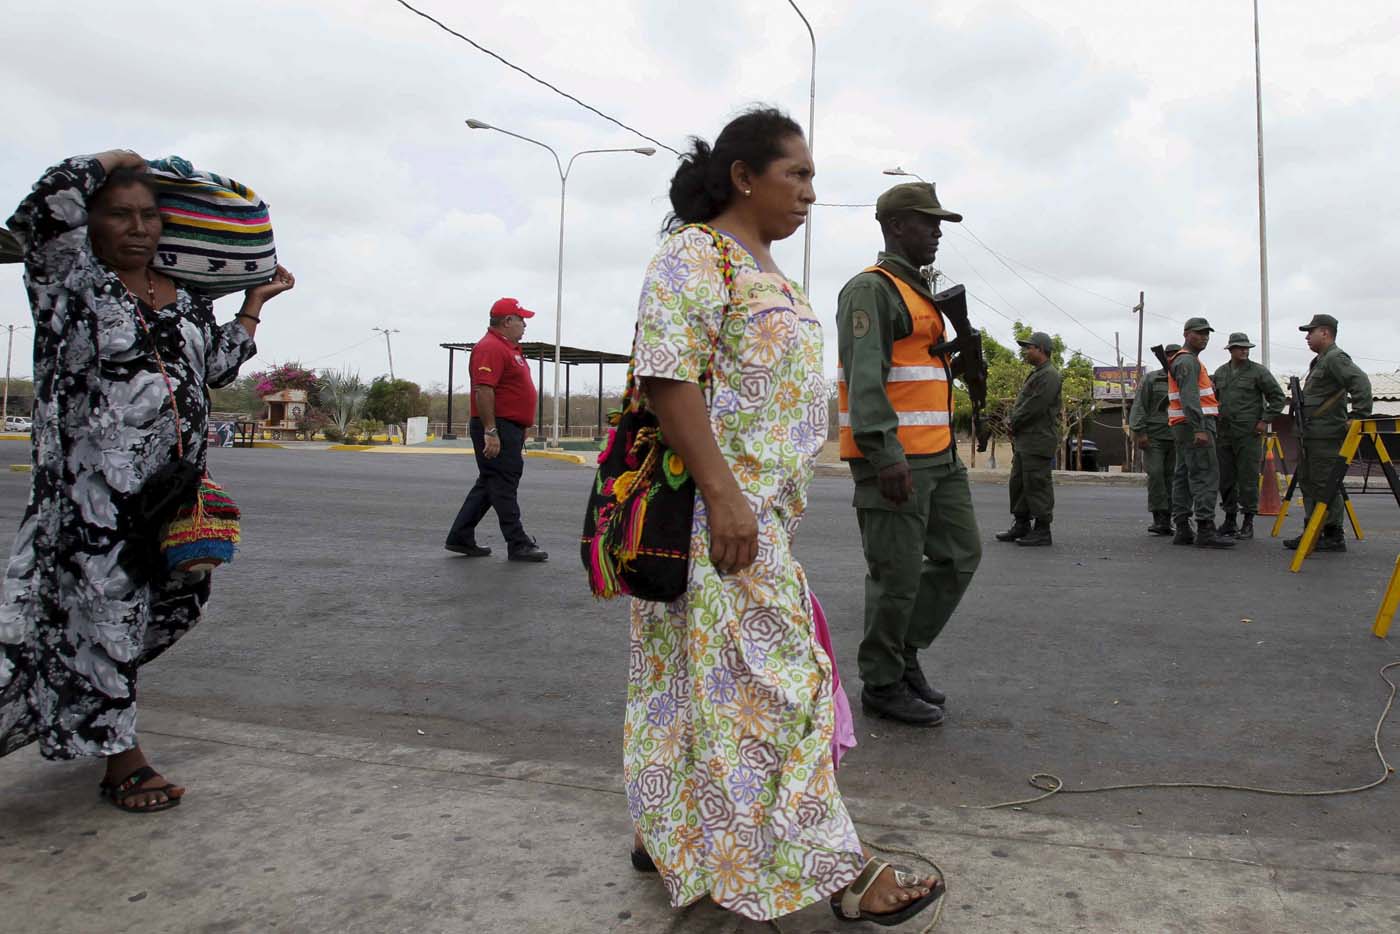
(912, 498)
(1034, 437)
(1250, 400)
(1148, 422)
(1334, 383)
(1192, 411)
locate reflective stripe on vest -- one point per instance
(917, 383)
(1175, 414)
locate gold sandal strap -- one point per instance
(850, 899)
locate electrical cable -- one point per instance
(1052, 784)
(481, 48)
(1073, 285)
(337, 353)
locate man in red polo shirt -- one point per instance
(503, 408)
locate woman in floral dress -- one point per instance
(727, 740)
(87, 599)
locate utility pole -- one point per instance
(1140, 310)
(1123, 406)
(387, 343)
(1263, 240)
(9, 351)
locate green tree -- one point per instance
(394, 402)
(240, 396)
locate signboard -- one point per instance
(1109, 381)
(417, 430)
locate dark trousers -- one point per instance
(1320, 458)
(1032, 487)
(1239, 453)
(1197, 481)
(497, 481)
(1160, 460)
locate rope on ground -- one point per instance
(913, 854)
(1052, 784)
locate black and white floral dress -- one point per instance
(85, 602)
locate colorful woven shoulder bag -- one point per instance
(637, 526)
(203, 534)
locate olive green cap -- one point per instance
(1239, 339)
(1171, 349)
(1038, 339)
(1197, 324)
(1321, 321)
(913, 196)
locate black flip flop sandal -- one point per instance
(847, 907)
(119, 793)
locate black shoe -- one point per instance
(530, 552)
(1228, 526)
(1331, 541)
(897, 702)
(471, 551)
(1161, 523)
(1246, 531)
(1292, 543)
(1019, 529)
(1040, 535)
(914, 678)
(1184, 535)
(1208, 536)
(641, 861)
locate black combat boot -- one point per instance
(1040, 535)
(1184, 535)
(1331, 540)
(1019, 529)
(1161, 523)
(1208, 536)
(1246, 528)
(897, 702)
(914, 678)
(1228, 527)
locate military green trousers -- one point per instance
(1032, 487)
(1160, 460)
(1196, 482)
(920, 557)
(1238, 453)
(1320, 457)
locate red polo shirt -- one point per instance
(497, 363)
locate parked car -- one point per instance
(1091, 455)
(17, 423)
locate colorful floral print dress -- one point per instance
(86, 602)
(729, 707)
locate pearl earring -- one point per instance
(747, 192)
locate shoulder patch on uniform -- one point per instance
(860, 323)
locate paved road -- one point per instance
(1112, 657)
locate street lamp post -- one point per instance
(564, 169)
(812, 148)
(9, 353)
(1263, 224)
(899, 170)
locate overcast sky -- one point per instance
(1108, 145)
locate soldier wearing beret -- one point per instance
(1334, 383)
(912, 498)
(1034, 438)
(1148, 422)
(1192, 411)
(1250, 400)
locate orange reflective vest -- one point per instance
(917, 384)
(1175, 414)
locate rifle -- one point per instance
(952, 303)
(1160, 353)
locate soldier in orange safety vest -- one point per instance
(912, 498)
(1192, 412)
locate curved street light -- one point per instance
(811, 148)
(899, 170)
(563, 170)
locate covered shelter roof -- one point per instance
(539, 350)
(1385, 387)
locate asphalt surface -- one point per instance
(1111, 657)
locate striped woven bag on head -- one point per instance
(217, 234)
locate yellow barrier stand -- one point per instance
(1336, 484)
(1390, 602)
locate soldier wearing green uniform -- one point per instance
(1148, 422)
(914, 506)
(1334, 383)
(1250, 400)
(1192, 411)
(1034, 438)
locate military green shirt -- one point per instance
(1248, 394)
(1186, 369)
(1149, 412)
(1333, 376)
(1037, 407)
(870, 317)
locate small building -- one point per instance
(285, 415)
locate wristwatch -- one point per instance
(492, 432)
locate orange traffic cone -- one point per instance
(1269, 501)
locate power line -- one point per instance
(336, 353)
(481, 48)
(1041, 272)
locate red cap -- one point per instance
(508, 306)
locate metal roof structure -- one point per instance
(538, 350)
(1385, 387)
